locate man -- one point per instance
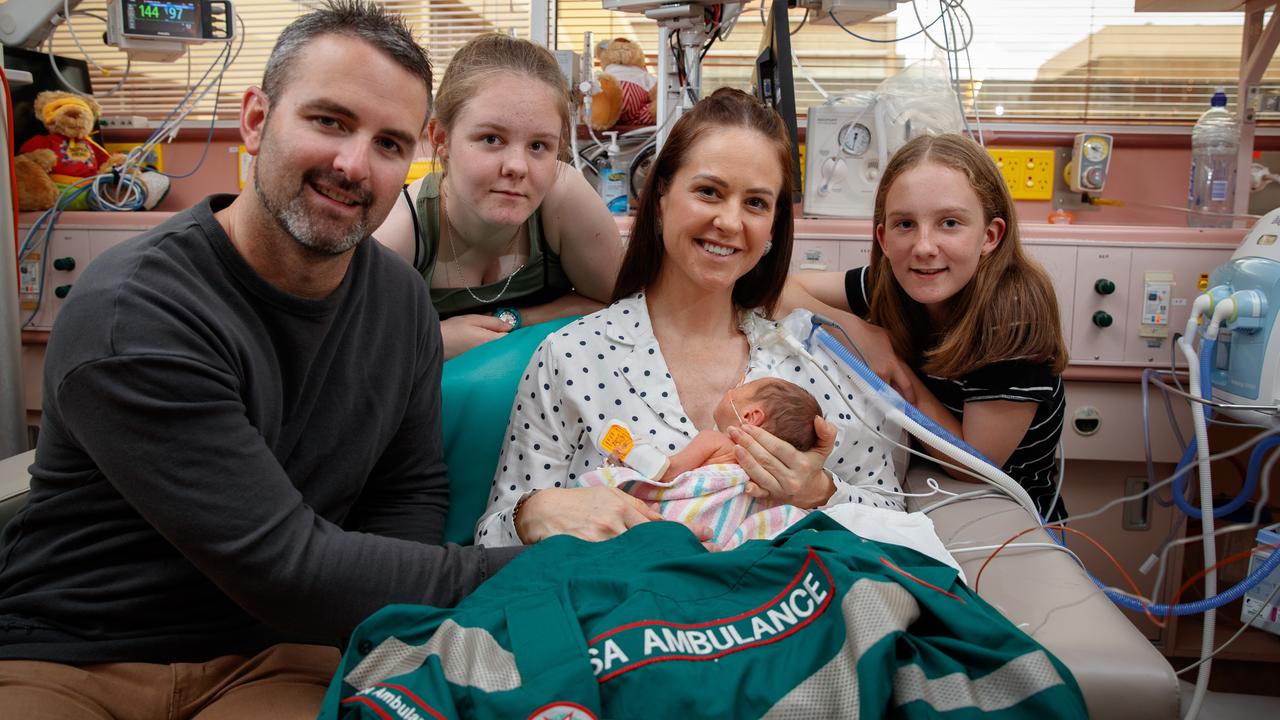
(240, 452)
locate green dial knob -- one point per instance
(64, 263)
(1104, 286)
(1102, 319)
(62, 290)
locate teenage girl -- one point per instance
(958, 300)
(506, 234)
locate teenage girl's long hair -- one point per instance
(1007, 311)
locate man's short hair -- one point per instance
(366, 21)
(789, 412)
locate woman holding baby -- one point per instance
(690, 320)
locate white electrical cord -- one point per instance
(971, 495)
(1156, 486)
(53, 63)
(986, 548)
(804, 72)
(573, 137)
(1206, 499)
(169, 127)
(934, 489)
(1244, 626)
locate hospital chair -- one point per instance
(1050, 597)
(1041, 590)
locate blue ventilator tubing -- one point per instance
(1207, 350)
(1200, 606)
(888, 393)
(891, 397)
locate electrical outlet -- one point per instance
(1137, 513)
(1028, 173)
(122, 121)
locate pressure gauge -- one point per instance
(1095, 149)
(854, 139)
(1090, 156)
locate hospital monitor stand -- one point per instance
(687, 19)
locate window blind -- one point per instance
(153, 89)
(1073, 61)
(1076, 61)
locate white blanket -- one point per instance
(912, 530)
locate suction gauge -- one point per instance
(854, 139)
(1095, 149)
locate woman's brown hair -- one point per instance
(1007, 311)
(725, 108)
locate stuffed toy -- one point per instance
(36, 190)
(65, 155)
(628, 93)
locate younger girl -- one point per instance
(963, 306)
(506, 234)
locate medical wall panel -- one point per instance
(1101, 300)
(815, 255)
(1164, 281)
(1059, 261)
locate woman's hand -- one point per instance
(589, 513)
(782, 473)
(463, 332)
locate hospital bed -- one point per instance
(1043, 591)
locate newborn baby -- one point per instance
(703, 484)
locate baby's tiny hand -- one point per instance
(706, 535)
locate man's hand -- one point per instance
(782, 473)
(589, 513)
(463, 332)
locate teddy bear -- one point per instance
(48, 163)
(628, 93)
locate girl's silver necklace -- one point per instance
(457, 266)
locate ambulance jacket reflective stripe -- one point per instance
(816, 623)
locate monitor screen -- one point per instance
(25, 122)
(154, 18)
(775, 85)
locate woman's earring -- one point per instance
(768, 245)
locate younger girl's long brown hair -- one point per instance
(1007, 311)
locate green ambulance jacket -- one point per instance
(816, 623)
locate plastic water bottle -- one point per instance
(613, 179)
(1214, 143)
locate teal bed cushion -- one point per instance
(477, 390)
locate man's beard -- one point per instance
(293, 217)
